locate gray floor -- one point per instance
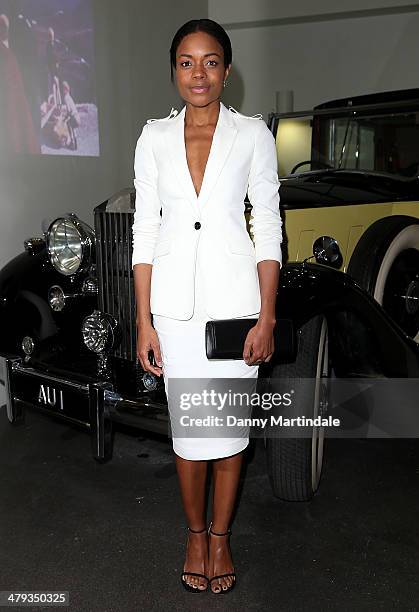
(113, 535)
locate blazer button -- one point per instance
(197, 225)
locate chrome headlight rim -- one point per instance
(87, 244)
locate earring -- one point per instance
(224, 83)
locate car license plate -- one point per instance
(57, 397)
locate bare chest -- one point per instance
(198, 143)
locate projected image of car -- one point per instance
(349, 285)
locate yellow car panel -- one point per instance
(345, 223)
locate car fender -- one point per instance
(364, 339)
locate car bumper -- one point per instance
(91, 404)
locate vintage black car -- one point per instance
(67, 303)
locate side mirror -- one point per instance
(326, 251)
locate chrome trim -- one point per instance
(51, 300)
(350, 109)
(130, 282)
(65, 296)
(28, 350)
(121, 202)
(101, 398)
(90, 286)
(87, 239)
(5, 380)
(83, 388)
(104, 406)
(153, 381)
(34, 244)
(59, 415)
(98, 436)
(112, 396)
(137, 414)
(111, 332)
(116, 282)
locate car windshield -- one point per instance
(383, 143)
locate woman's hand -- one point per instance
(259, 344)
(147, 340)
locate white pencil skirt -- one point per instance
(182, 344)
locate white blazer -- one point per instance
(242, 159)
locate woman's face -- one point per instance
(200, 69)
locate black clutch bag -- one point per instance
(224, 338)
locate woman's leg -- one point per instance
(226, 475)
(192, 477)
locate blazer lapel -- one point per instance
(222, 142)
(177, 154)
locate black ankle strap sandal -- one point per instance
(187, 586)
(232, 574)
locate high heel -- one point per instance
(232, 574)
(187, 586)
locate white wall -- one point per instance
(263, 10)
(319, 59)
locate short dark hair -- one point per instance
(201, 25)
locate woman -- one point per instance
(196, 261)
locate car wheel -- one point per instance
(295, 464)
(385, 263)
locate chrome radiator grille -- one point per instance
(113, 228)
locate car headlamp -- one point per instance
(100, 331)
(70, 244)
